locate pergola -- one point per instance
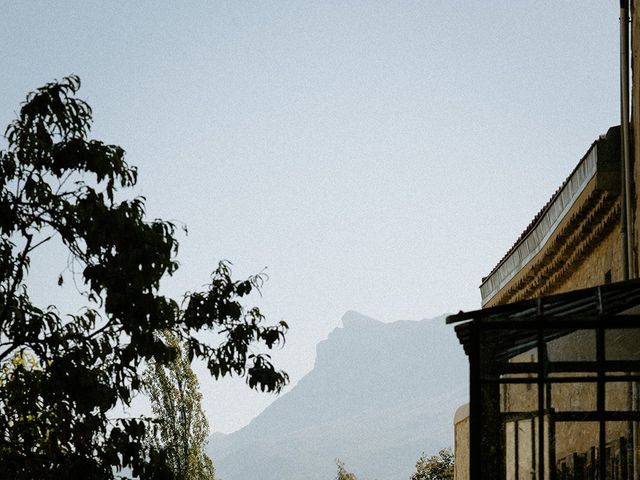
(554, 385)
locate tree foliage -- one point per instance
(343, 473)
(182, 425)
(435, 467)
(57, 183)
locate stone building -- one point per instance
(555, 350)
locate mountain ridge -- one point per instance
(379, 394)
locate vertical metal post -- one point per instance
(475, 410)
(600, 393)
(600, 400)
(516, 441)
(485, 421)
(552, 448)
(541, 392)
(625, 211)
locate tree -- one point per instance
(182, 425)
(435, 467)
(343, 473)
(56, 184)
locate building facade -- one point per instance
(555, 350)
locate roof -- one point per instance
(544, 223)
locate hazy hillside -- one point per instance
(378, 395)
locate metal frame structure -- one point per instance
(559, 342)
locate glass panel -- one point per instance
(527, 447)
(500, 346)
(619, 396)
(619, 450)
(573, 397)
(576, 450)
(519, 397)
(510, 447)
(528, 356)
(522, 363)
(571, 345)
(622, 344)
(581, 466)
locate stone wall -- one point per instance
(461, 433)
(585, 247)
(602, 265)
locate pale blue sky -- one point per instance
(376, 156)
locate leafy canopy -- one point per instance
(342, 473)
(435, 467)
(55, 182)
(182, 425)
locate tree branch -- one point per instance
(40, 243)
(16, 279)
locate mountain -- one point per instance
(378, 396)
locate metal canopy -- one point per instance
(518, 321)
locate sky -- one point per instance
(373, 156)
